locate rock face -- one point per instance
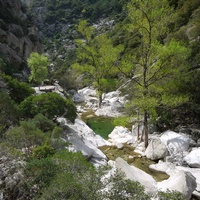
(196, 173)
(18, 36)
(180, 181)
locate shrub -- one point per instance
(43, 151)
(172, 195)
(25, 137)
(17, 90)
(9, 112)
(50, 105)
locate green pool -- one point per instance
(101, 125)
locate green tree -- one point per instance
(50, 105)
(96, 57)
(156, 66)
(38, 65)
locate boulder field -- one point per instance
(174, 153)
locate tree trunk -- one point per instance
(145, 130)
(100, 98)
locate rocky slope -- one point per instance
(18, 35)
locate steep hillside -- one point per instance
(18, 35)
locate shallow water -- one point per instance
(133, 158)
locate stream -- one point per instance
(103, 126)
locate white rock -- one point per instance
(193, 158)
(136, 174)
(156, 150)
(85, 140)
(161, 166)
(196, 173)
(181, 181)
(175, 142)
(120, 135)
(177, 145)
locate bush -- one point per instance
(17, 90)
(43, 123)
(43, 151)
(9, 112)
(172, 195)
(25, 137)
(51, 105)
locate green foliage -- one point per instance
(185, 11)
(172, 195)
(10, 152)
(50, 105)
(17, 90)
(25, 137)
(90, 10)
(96, 57)
(126, 189)
(38, 65)
(155, 67)
(121, 121)
(42, 151)
(9, 112)
(43, 123)
(38, 175)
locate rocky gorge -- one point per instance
(174, 153)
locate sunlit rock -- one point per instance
(135, 174)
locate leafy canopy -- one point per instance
(155, 67)
(96, 56)
(50, 105)
(38, 65)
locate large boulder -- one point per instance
(177, 145)
(196, 173)
(83, 139)
(135, 174)
(181, 181)
(193, 158)
(120, 136)
(156, 150)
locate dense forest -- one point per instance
(149, 50)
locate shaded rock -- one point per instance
(77, 98)
(136, 174)
(156, 150)
(177, 145)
